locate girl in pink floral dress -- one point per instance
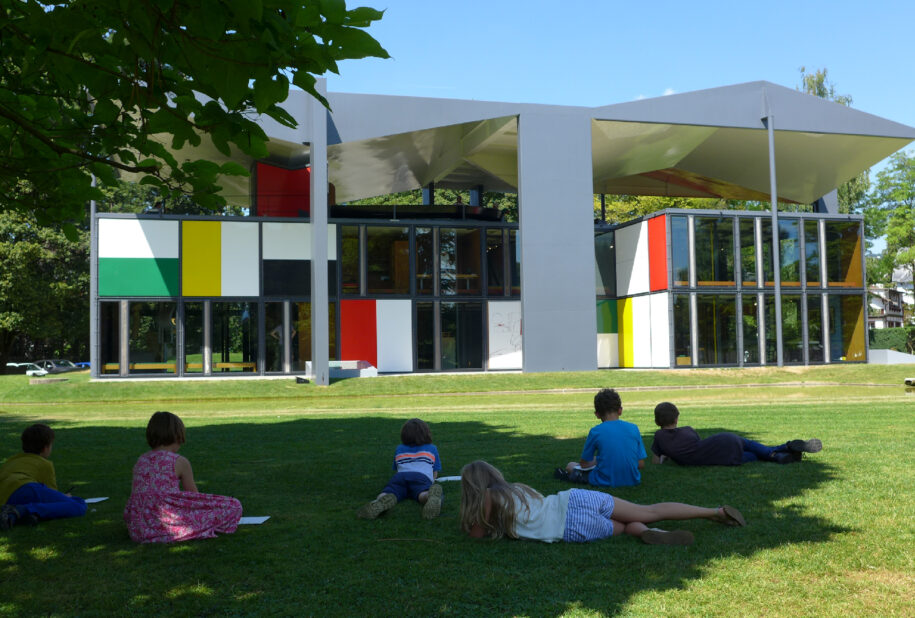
(157, 510)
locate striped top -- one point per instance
(423, 459)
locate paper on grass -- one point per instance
(448, 478)
(254, 520)
(94, 500)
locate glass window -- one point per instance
(683, 352)
(843, 254)
(109, 337)
(815, 328)
(459, 252)
(717, 336)
(300, 344)
(605, 265)
(387, 256)
(425, 261)
(771, 341)
(765, 251)
(846, 328)
(153, 335)
(747, 229)
(193, 337)
(349, 258)
(812, 252)
(495, 263)
(514, 262)
(425, 336)
(275, 341)
(789, 252)
(750, 318)
(714, 251)
(462, 335)
(792, 330)
(679, 250)
(234, 337)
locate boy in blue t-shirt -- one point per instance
(613, 453)
(416, 466)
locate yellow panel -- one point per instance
(853, 277)
(627, 351)
(856, 343)
(201, 272)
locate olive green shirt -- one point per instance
(24, 468)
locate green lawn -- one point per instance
(834, 535)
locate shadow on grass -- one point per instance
(315, 557)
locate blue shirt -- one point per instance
(423, 459)
(619, 447)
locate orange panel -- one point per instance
(657, 253)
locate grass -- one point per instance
(832, 536)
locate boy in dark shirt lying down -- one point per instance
(683, 445)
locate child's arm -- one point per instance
(478, 531)
(185, 474)
(582, 463)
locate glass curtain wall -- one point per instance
(789, 252)
(717, 330)
(193, 337)
(843, 254)
(153, 337)
(425, 261)
(815, 328)
(234, 337)
(750, 318)
(349, 259)
(300, 342)
(514, 262)
(679, 250)
(714, 251)
(846, 328)
(604, 265)
(109, 337)
(792, 329)
(459, 266)
(812, 253)
(462, 335)
(425, 336)
(387, 253)
(274, 342)
(747, 231)
(495, 262)
(683, 347)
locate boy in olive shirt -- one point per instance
(28, 486)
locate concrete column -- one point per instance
(320, 339)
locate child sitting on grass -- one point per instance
(490, 506)
(28, 486)
(683, 445)
(416, 466)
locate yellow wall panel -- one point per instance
(627, 350)
(201, 271)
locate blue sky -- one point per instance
(591, 52)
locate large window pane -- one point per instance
(462, 335)
(683, 350)
(152, 337)
(812, 252)
(514, 262)
(750, 309)
(792, 329)
(387, 256)
(349, 258)
(679, 250)
(714, 251)
(193, 337)
(846, 328)
(234, 337)
(771, 340)
(717, 336)
(843, 254)
(425, 261)
(765, 251)
(109, 337)
(425, 336)
(459, 251)
(275, 340)
(789, 255)
(815, 328)
(747, 229)
(495, 263)
(605, 265)
(301, 334)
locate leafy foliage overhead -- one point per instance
(97, 87)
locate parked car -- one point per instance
(83, 364)
(57, 365)
(29, 369)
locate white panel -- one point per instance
(240, 261)
(133, 238)
(332, 241)
(608, 350)
(631, 245)
(660, 330)
(641, 332)
(394, 323)
(505, 334)
(287, 241)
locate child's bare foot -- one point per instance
(655, 536)
(729, 516)
(433, 505)
(376, 507)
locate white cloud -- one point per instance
(669, 91)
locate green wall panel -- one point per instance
(606, 317)
(138, 277)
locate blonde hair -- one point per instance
(479, 477)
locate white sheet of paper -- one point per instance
(94, 500)
(448, 478)
(254, 520)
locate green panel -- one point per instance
(606, 317)
(138, 277)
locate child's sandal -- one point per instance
(729, 516)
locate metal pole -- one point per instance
(320, 336)
(94, 367)
(776, 261)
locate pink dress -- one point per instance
(158, 512)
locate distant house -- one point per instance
(884, 307)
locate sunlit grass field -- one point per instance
(834, 535)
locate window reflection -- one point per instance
(153, 335)
(462, 335)
(682, 339)
(495, 263)
(387, 253)
(717, 329)
(792, 330)
(459, 266)
(234, 337)
(843, 254)
(789, 252)
(679, 250)
(349, 258)
(714, 251)
(110, 336)
(750, 317)
(812, 252)
(604, 264)
(815, 328)
(846, 328)
(747, 229)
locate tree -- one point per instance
(93, 88)
(892, 211)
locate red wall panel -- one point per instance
(358, 331)
(657, 253)
(283, 193)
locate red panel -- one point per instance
(358, 331)
(657, 253)
(283, 193)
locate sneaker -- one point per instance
(376, 507)
(561, 474)
(8, 516)
(656, 536)
(805, 446)
(433, 505)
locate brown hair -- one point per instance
(415, 432)
(164, 428)
(36, 437)
(606, 401)
(665, 413)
